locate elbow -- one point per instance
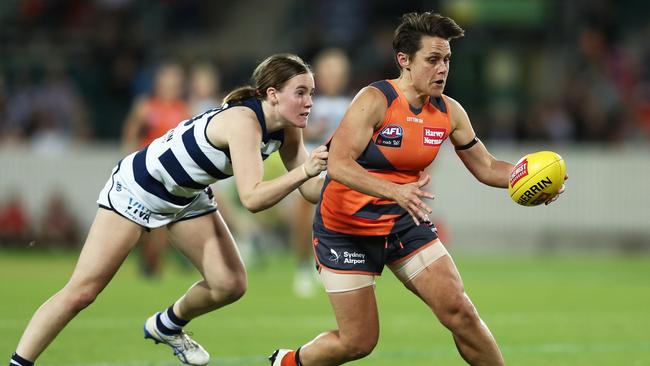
(311, 199)
(483, 178)
(252, 205)
(254, 209)
(489, 180)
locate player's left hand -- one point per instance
(555, 197)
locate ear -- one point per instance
(404, 61)
(271, 94)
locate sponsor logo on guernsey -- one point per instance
(390, 136)
(433, 136)
(138, 211)
(414, 119)
(520, 170)
(118, 186)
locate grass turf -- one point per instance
(542, 310)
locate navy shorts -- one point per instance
(369, 254)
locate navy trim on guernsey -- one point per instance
(256, 105)
(372, 158)
(176, 171)
(468, 145)
(387, 89)
(374, 212)
(438, 103)
(150, 184)
(416, 111)
(199, 157)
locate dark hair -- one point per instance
(408, 35)
(274, 72)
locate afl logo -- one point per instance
(391, 132)
(390, 136)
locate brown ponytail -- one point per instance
(240, 93)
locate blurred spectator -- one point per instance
(547, 120)
(49, 114)
(59, 227)
(59, 111)
(149, 119)
(204, 89)
(3, 107)
(14, 223)
(152, 115)
(20, 106)
(504, 118)
(332, 75)
(598, 86)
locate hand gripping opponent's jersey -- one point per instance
(405, 144)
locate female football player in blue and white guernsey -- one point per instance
(167, 184)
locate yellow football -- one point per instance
(536, 177)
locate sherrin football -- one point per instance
(536, 177)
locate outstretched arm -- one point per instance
(478, 160)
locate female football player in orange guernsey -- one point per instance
(372, 213)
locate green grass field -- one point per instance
(543, 311)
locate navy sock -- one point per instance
(19, 361)
(169, 323)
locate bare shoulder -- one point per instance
(368, 105)
(461, 127)
(235, 121)
(371, 93)
(238, 112)
(457, 113)
(236, 118)
(453, 104)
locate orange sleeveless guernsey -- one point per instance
(405, 144)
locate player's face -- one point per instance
(430, 66)
(295, 99)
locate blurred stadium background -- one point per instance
(567, 284)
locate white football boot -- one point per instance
(185, 348)
(277, 356)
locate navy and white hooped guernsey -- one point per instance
(171, 173)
